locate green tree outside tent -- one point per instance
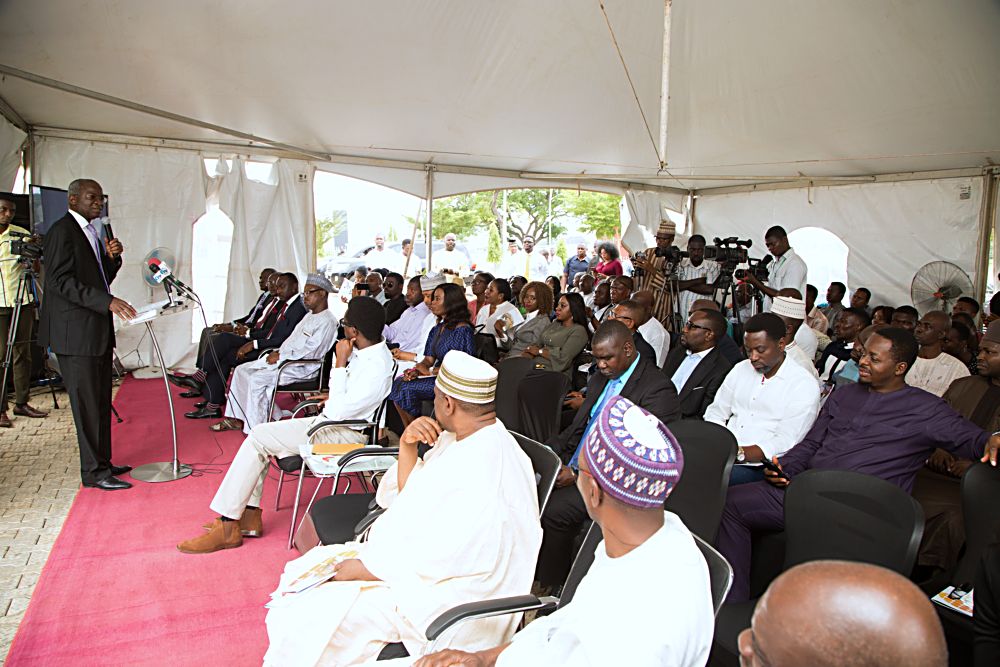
(562, 251)
(599, 214)
(328, 228)
(494, 251)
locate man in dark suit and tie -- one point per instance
(286, 313)
(696, 367)
(621, 371)
(76, 324)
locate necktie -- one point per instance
(96, 246)
(259, 323)
(281, 316)
(610, 392)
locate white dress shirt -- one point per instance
(453, 260)
(357, 390)
(687, 367)
(773, 413)
(384, 259)
(658, 339)
(789, 270)
(506, 310)
(798, 355)
(805, 338)
(588, 299)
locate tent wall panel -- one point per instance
(891, 229)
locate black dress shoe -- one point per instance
(200, 404)
(109, 484)
(120, 470)
(191, 394)
(204, 413)
(184, 381)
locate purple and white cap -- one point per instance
(632, 455)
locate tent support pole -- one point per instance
(11, 115)
(987, 223)
(430, 214)
(664, 84)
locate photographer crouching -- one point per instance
(18, 251)
(787, 269)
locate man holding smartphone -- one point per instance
(880, 426)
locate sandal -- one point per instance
(227, 425)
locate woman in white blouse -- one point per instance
(498, 307)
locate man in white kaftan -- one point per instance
(461, 525)
(252, 384)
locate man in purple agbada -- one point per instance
(880, 426)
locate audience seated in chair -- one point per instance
(537, 301)
(962, 342)
(727, 346)
(847, 373)
(452, 332)
(498, 307)
(651, 328)
(696, 366)
(620, 371)
(359, 382)
(395, 303)
(285, 315)
(220, 337)
(646, 556)
(792, 311)
(563, 339)
(938, 484)
(831, 613)
(252, 386)
(905, 317)
(461, 525)
(600, 309)
(880, 426)
(409, 333)
(849, 323)
(767, 401)
(934, 370)
(630, 313)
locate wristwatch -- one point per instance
(741, 456)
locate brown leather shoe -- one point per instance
(5, 421)
(28, 411)
(223, 535)
(251, 523)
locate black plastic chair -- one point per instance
(540, 401)
(301, 387)
(700, 496)
(546, 465)
(837, 515)
(510, 374)
(980, 499)
(719, 572)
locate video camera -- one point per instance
(734, 258)
(28, 247)
(673, 255)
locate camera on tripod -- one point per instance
(733, 256)
(27, 247)
(672, 254)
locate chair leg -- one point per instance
(277, 496)
(295, 506)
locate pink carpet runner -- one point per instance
(115, 590)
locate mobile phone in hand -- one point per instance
(768, 465)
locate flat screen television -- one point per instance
(49, 204)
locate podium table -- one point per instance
(164, 471)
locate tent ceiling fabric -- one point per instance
(767, 89)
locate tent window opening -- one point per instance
(825, 255)
(212, 240)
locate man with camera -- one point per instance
(650, 269)
(695, 277)
(12, 268)
(787, 269)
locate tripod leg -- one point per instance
(115, 412)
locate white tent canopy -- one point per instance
(763, 95)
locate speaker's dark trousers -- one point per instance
(88, 383)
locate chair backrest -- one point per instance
(510, 373)
(324, 370)
(845, 515)
(700, 496)
(546, 465)
(581, 564)
(540, 398)
(980, 499)
(486, 346)
(720, 572)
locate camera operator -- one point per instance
(650, 269)
(787, 269)
(695, 277)
(12, 267)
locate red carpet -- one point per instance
(115, 590)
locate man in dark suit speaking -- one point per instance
(621, 371)
(76, 324)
